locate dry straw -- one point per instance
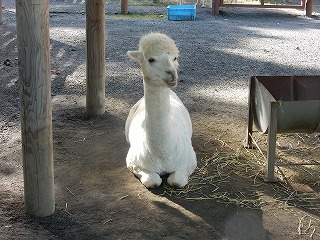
(236, 178)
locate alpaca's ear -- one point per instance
(136, 55)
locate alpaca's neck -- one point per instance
(157, 103)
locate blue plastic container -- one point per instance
(181, 12)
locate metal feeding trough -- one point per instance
(282, 104)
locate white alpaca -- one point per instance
(158, 127)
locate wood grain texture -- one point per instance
(36, 112)
(95, 32)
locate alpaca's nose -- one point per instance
(172, 73)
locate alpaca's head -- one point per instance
(157, 56)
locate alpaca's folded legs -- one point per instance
(150, 179)
(147, 178)
(178, 179)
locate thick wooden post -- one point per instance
(1, 20)
(36, 112)
(95, 31)
(124, 6)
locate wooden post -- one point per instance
(215, 7)
(95, 31)
(124, 6)
(36, 112)
(1, 20)
(309, 6)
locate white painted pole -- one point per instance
(36, 112)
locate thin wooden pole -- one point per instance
(1, 19)
(124, 6)
(36, 112)
(95, 31)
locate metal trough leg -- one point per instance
(248, 140)
(272, 137)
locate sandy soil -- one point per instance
(98, 198)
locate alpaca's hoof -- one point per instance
(151, 180)
(177, 180)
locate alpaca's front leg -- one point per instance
(150, 179)
(147, 178)
(178, 179)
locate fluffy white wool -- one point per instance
(156, 44)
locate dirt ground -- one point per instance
(98, 198)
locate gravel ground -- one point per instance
(218, 56)
(217, 53)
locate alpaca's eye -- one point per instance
(175, 59)
(151, 60)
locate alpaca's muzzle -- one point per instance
(172, 80)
